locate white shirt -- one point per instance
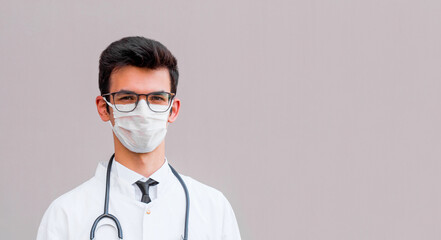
(70, 217)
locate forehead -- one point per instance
(140, 80)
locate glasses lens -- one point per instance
(159, 102)
(125, 102)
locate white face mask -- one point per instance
(140, 130)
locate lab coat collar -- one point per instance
(126, 174)
(122, 178)
(163, 174)
(132, 177)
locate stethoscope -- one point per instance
(106, 213)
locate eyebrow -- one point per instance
(128, 91)
(125, 91)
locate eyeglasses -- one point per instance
(126, 101)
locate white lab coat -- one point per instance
(70, 217)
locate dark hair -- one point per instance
(138, 52)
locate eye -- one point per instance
(124, 98)
(158, 99)
(127, 98)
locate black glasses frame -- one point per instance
(171, 97)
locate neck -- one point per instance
(143, 163)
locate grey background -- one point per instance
(317, 119)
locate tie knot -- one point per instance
(144, 186)
(151, 182)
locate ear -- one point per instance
(174, 112)
(101, 106)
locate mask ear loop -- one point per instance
(107, 103)
(108, 111)
(171, 107)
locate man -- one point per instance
(138, 78)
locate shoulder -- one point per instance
(204, 193)
(197, 186)
(67, 204)
(81, 192)
(60, 212)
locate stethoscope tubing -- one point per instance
(187, 201)
(106, 206)
(115, 219)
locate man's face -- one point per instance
(138, 80)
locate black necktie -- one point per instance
(144, 186)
